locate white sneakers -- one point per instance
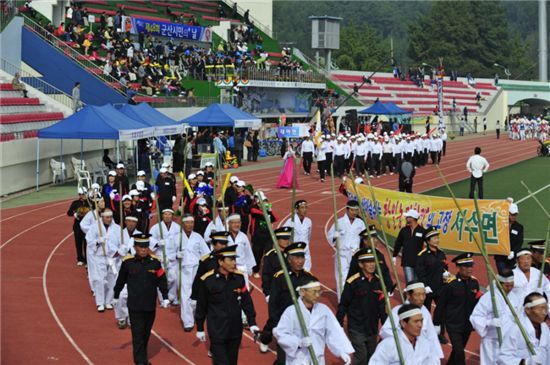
(101, 308)
(264, 348)
(108, 306)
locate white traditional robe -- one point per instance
(85, 224)
(302, 233)
(171, 240)
(514, 349)
(245, 256)
(428, 329)
(323, 329)
(213, 226)
(481, 318)
(193, 247)
(349, 242)
(421, 354)
(524, 287)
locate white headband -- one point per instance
(502, 279)
(523, 252)
(415, 286)
(233, 217)
(409, 313)
(310, 285)
(535, 302)
(188, 219)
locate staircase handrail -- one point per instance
(258, 24)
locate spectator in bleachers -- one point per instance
(77, 104)
(18, 85)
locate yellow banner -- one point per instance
(441, 213)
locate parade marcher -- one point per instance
(341, 153)
(126, 248)
(321, 153)
(243, 204)
(306, 151)
(78, 209)
(259, 231)
(416, 349)
(406, 175)
(90, 220)
(217, 225)
(189, 194)
(230, 195)
(191, 247)
(109, 190)
(387, 156)
(486, 323)
(218, 240)
(514, 349)
(302, 227)
(329, 154)
(103, 240)
(456, 303)
(360, 157)
(526, 277)
(142, 203)
(279, 298)
(270, 263)
(349, 227)
(245, 256)
(209, 173)
(376, 157)
(142, 274)
(411, 240)
(202, 215)
(537, 250)
(416, 294)
(362, 301)
(121, 179)
(366, 235)
(127, 209)
(169, 242)
(222, 295)
(166, 190)
(322, 326)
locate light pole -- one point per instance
(506, 70)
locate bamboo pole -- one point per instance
(180, 248)
(159, 221)
(539, 285)
(337, 232)
(383, 284)
(489, 267)
(536, 199)
(288, 282)
(121, 214)
(293, 201)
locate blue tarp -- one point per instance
(150, 116)
(223, 115)
(380, 108)
(97, 122)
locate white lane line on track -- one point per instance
(30, 228)
(34, 210)
(172, 348)
(534, 193)
(50, 306)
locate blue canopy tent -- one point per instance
(94, 122)
(223, 115)
(380, 108)
(396, 110)
(148, 115)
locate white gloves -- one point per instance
(173, 199)
(437, 330)
(305, 342)
(179, 255)
(446, 275)
(346, 358)
(201, 336)
(254, 329)
(112, 195)
(75, 216)
(165, 303)
(394, 259)
(511, 255)
(495, 322)
(267, 299)
(161, 243)
(428, 290)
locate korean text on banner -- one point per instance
(165, 29)
(442, 213)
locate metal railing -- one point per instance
(182, 102)
(282, 75)
(257, 24)
(70, 52)
(58, 95)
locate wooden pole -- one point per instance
(337, 232)
(539, 285)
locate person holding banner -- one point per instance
(506, 263)
(411, 240)
(287, 177)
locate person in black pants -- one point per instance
(260, 237)
(255, 147)
(411, 239)
(143, 275)
(78, 210)
(406, 175)
(477, 165)
(506, 263)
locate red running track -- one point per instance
(48, 314)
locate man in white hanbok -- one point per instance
(514, 349)
(486, 324)
(415, 347)
(349, 227)
(164, 240)
(302, 228)
(217, 225)
(526, 277)
(245, 256)
(322, 327)
(191, 247)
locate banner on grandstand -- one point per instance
(165, 29)
(442, 213)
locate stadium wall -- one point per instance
(10, 41)
(60, 71)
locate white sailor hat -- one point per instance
(412, 213)
(260, 195)
(95, 186)
(201, 201)
(209, 164)
(191, 176)
(126, 197)
(200, 172)
(165, 164)
(513, 209)
(233, 179)
(241, 184)
(120, 166)
(112, 173)
(134, 192)
(141, 173)
(358, 180)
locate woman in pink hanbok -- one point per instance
(287, 172)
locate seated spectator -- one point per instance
(18, 85)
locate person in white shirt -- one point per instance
(360, 156)
(444, 138)
(302, 228)
(341, 153)
(416, 349)
(245, 256)
(387, 155)
(526, 277)
(217, 225)
(477, 165)
(322, 326)
(306, 151)
(321, 152)
(514, 349)
(486, 323)
(376, 156)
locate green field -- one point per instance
(505, 182)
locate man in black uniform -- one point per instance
(222, 295)
(365, 243)
(271, 263)
(362, 301)
(279, 298)
(516, 240)
(456, 303)
(121, 179)
(411, 239)
(143, 275)
(209, 261)
(166, 186)
(537, 250)
(431, 269)
(78, 210)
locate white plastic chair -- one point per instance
(83, 176)
(99, 174)
(58, 170)
(78, 165)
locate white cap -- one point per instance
(95, 186)
(163, 170)
(260, 195)
(208, 164)
(233, 179)
(134, 192)
(513, 209)
(81, 190)
(412, 214)
(241, 183)
(141, 173)
(191, 176)
(140, 185)
(200, 172)
(120, 166)
(126, 197)
(201, 201)
(112, 173)
(167, 165)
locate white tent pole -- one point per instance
(37, 163)
(81, 149)
(61, 160)
(117, 151)
(135, 145)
